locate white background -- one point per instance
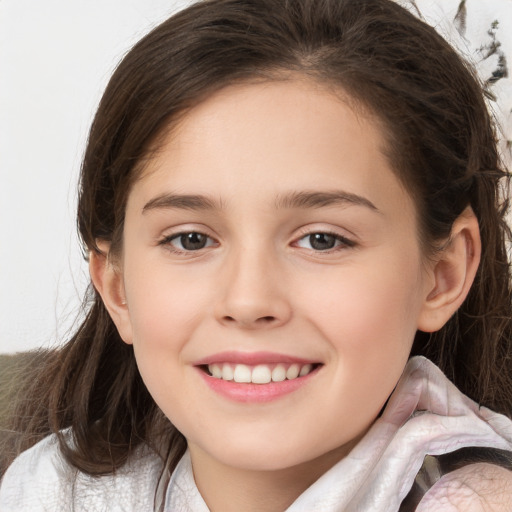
(55, 59)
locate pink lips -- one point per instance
(249, 392)
(251, 358)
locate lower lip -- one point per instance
(255, 393)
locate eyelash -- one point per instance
(167, 242)
(342, 243)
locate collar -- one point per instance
(425, 415)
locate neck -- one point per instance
(231, 489)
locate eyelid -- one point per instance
(165, 240)
(180, 229)
(346, 241)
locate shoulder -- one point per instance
(40, 480)
(35, 478)
(480, 487)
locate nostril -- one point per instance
(263, 320)
(266, 319)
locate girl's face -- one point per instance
(268, 236)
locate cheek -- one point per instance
(165, 308)
(164, 305)
(164, 313)
(366, 310)
(369, 317)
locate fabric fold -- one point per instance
(425, 415)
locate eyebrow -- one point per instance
(182, 202)
(303, 199)
(307, 199)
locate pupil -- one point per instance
(322, 241)
(193, 241)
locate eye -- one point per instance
(191, 241)
(324, 241)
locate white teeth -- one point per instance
(293, 372)
(242, 373)
(259, 374)
(215, 370)
(227, 372)
(305, 370)
(279, 373)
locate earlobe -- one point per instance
(453, 273)
(108, 282)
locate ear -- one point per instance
(107, 279)
(452, 273)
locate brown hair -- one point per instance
(441, 144)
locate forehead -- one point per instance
(275, 136)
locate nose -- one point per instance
(253, 292)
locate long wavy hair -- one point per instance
(440, 141)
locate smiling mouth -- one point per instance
(258, 374)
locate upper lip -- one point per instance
(251, 358)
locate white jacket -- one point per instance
(426, 414)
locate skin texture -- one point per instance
(259, 285)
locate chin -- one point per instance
(272, 455)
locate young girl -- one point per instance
(293, 212)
